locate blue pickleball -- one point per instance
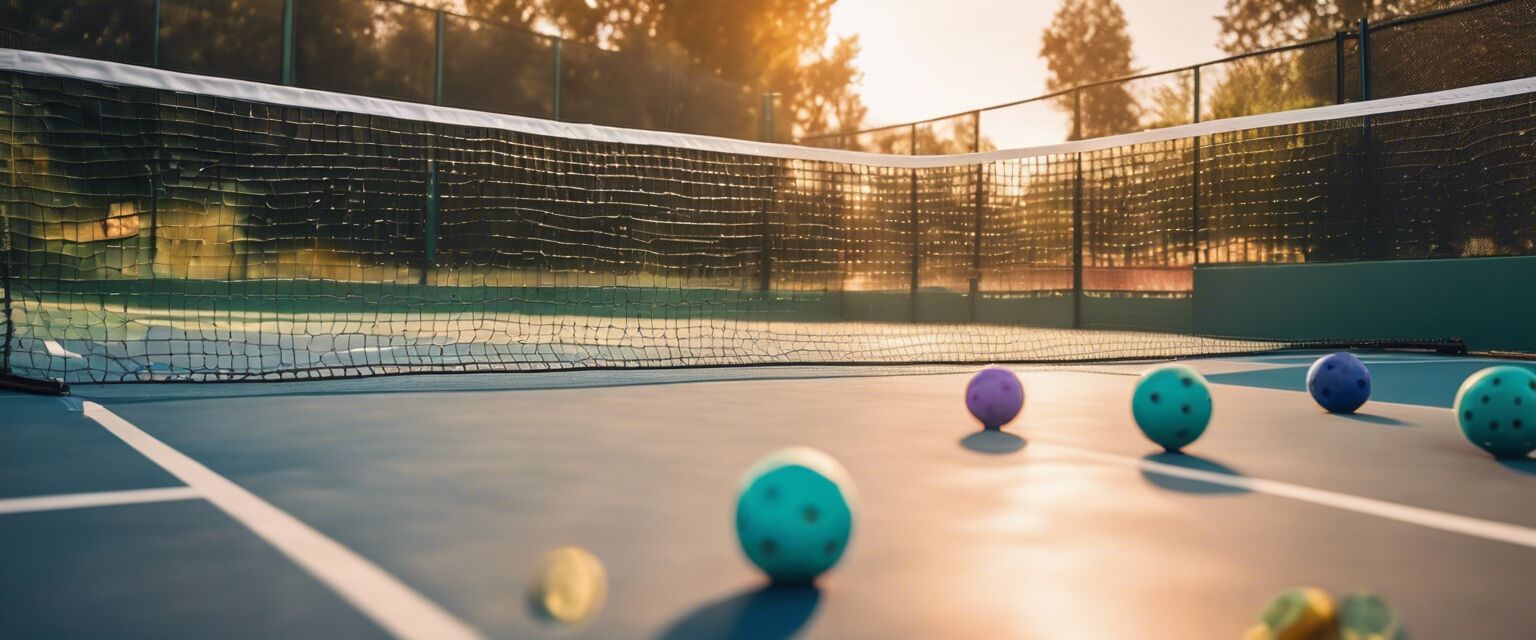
(1496, 408)
(1172, 406)
(1339, 382)
(795, 514)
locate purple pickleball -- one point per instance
(995, 396)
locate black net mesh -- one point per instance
(158, 235)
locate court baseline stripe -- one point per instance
(386, 600)
(97, 499)
(1465, 525)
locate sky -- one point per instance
(925, 58)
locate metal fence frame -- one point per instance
(1360, 33)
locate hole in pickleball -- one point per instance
(1183, 433)
(1493, 425)
(1485, 399)
(1327, 392)
(830, 547)
(1495, 382)
(1467, 415)
(772, 494)
(768, 546)
(1156, 398)
(1328, 366)
(1519, 401)
(810, 513)
(1360, 383)
(1518, 424)
(1187, 381)
(1184, 409)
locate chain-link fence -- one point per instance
(1471, 44)
(390, 49)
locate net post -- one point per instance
(288, 45)
(976, 215)
(912, 228)
(555, 99)
(1077, 213)
(437, 71)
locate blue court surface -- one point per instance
(422, 506)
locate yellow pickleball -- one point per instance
(570, 586)
(1303, 613)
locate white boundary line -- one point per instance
(1465, 525)
(387, 601)
(131, 75)
(99, 499)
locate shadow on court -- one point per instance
(1526, 466)
(994, 443)
(766, 613)
(1189, 485)
(1373, 419)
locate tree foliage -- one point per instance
(691, 64)
(778, 46)
(1260, 24)
(1086, 42)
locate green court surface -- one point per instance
(421, 506)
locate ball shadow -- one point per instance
(1526, 466)
(766, 613)
(993, 442)
(1372, 419)
(1190, 485)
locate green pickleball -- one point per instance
(794, 516)
(1172, 406)
(1496, 408)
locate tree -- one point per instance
(778, 46)
(1087, 42)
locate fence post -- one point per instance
(429, 231)
(559, 45)
(913, 225)
(154, 56)
(1077, 213)
(288, 42)
(1367, 145)
(765, 258)
(1194, 187)
(767, 119)
(1338, 66)
(1365, 59)
(976, 213)
(437, 71)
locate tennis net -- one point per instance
(161, 226)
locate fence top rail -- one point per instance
(136, 76)
(1350, 33)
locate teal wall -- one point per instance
(1490, 303)
(1172, 314)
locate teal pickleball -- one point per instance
(794, 516)
(1496, 408)
(1172, 406)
